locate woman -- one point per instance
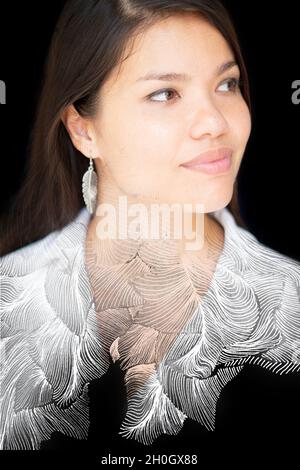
(79, 300)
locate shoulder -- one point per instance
(37, 279)
(45, 251)
(252, 257)
(47, 315)
(264, 285)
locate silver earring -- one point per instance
(89, 188)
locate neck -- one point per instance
(120, 216)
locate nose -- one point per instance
(208, 120)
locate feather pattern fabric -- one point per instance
(63, 314)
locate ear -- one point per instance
(79, 131)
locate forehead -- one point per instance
(184, 43)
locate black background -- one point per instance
(269, 197)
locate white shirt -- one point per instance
(51, 346)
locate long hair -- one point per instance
(88, 42)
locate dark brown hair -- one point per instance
(88, 42)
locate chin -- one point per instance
(218, 201)
(216, 198)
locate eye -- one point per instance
(234, 84)
(161, 93)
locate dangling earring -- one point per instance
(89, 187)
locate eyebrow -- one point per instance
(172, 76)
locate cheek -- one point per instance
(240, 120)
(146, 147)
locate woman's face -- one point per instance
(146, 128)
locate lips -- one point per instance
(209, 156)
